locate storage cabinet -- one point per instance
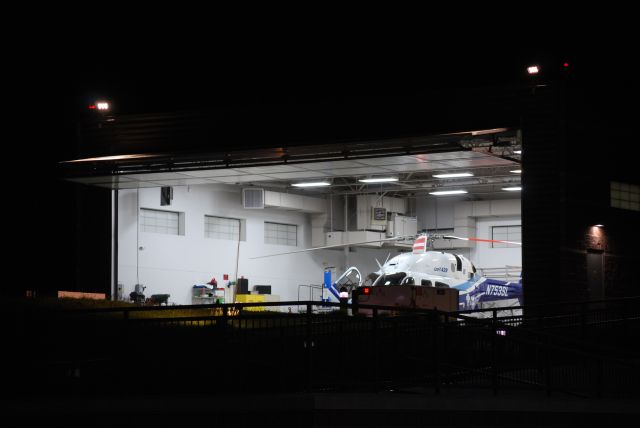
(202, 295)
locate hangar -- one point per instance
(217, 214)
(124, 161)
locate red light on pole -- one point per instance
(92, 107)
(565, 65)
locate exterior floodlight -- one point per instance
(454, 175)
(448, 192)
(103, 106)
(534, 69)
(512, 189)
(516, 171)
(598, 225)
(378, 180)
(517, 152)
(312, 184)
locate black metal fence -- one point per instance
(230, 348)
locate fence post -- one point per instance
(494, 352)
(225, 317)
(625, 317)
(547, 366)
(583, 320)
(396, 342)
(308, 343)
(445, 347)
(376, 356)
(344, 355)
(436, 348)
(127, 325)
(598, 377)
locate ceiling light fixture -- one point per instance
(312, 184)
(454, 175)
(512, 189)
(517, 152)
(448, 192)
(378, 180)
(517, 171)
(110, 158)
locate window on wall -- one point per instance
(221, 228)
(280, 234)
(625, 196)
(160, 221)
(506, 233)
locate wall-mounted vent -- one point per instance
(253, 198)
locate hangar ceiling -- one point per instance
(491, 158)
(414, 173)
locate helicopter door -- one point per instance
(351, 278)
(458, 263)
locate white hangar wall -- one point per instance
(172, 264)
(486, 256)
(473, 219)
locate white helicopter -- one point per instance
(424, 267)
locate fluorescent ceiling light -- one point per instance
(454, 175)
(312, 184)
(448, 192)
(517, 171)
(378, 180)
(110, 158)
(512, 189)
(480, 131)
(488, 131)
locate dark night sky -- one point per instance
(56, 82)
(163, 60)
(156, 77)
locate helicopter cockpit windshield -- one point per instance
(397, 278)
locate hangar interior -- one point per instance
(181, 227)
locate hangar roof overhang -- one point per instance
(490, 154)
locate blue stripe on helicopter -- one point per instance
(493, 289)
(473, 293)
(465, 286)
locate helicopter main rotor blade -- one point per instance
(481, 240)
(397, 238)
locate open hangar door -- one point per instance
(181, 221)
